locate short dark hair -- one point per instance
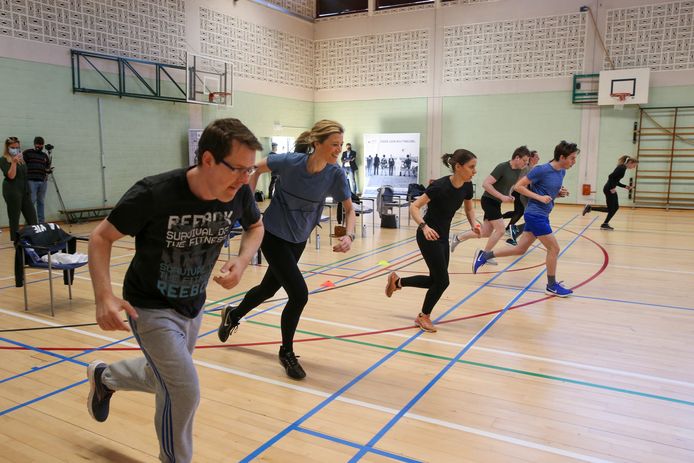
(39, 141)
(217, 138)
(521, 152)
(564, 149)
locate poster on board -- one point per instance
(193, 139)
(390, 159)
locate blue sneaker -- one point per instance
(478, 261)
(558, 290)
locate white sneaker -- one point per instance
(455, 242)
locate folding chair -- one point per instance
(47, 239)
(387, 202)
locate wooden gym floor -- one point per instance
(511, 376)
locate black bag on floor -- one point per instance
(389, 221)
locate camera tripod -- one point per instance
(60, 198)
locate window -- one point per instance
(384, 4)
(334, 7)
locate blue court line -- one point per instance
(63, 359)
(338, 440)
(45, 396)
(455, 359)
(606, 299)
(52, 393)
(41, 351)
(380, 362)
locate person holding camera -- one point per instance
(15, 189)
(38, 167)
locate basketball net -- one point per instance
(221, 99)
(619, 100)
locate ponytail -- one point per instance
(459, 156)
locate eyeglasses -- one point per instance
(12, 140)
(239, 170)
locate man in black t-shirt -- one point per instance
(38, 166)
(180, 220)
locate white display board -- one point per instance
(398, 160)
(193, 138)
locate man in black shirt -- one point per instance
(180, 220)
(349, 165)
(38, 166)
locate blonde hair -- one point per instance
(624, 159)
(9, 141)
(322, 129)
(301, 144)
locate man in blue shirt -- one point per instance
(541, 185)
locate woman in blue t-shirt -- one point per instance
(443, 197)
(305, 180)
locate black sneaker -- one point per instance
(606, 226)
(229, 323)
(290, 363)
(512, 242)
(586, 209)
(99, 395)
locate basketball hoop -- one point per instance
(220, 98)
(619, 100)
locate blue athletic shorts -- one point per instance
(538, 225)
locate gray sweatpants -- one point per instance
(167, 340)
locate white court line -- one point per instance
(359, 403)
(502, 352)
(484, 349)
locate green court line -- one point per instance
(492, 367)
(440, 357)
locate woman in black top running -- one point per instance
(610, 190)
(443, 197)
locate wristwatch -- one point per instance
(352, 236)
(422, 225)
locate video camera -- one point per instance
(49, 147)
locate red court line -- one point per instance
(606, 260)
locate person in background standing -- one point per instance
(15, 188)
(273, 178)
(38, 167)
(349, 165)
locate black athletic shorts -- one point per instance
(491, 208)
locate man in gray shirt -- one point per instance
(497, 189)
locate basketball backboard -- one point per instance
(631, 84)
(208, 80)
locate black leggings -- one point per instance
(283, 272)
(436, 255)
(612, 204)
(517, 212)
